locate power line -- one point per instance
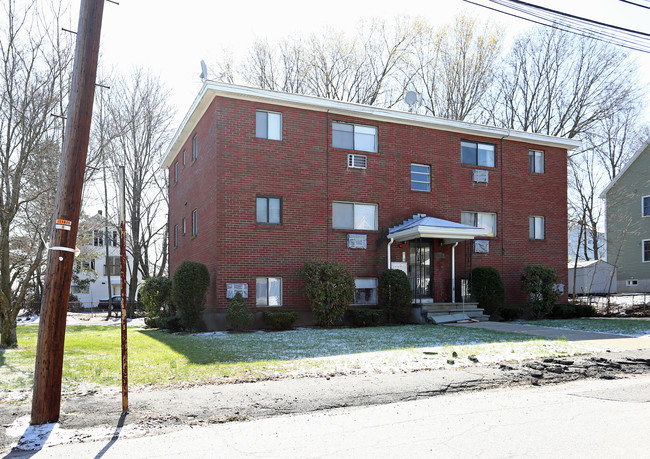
(619, 36)
(635, 4)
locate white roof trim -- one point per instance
(603, 195)
(212, 89)
(438, 232)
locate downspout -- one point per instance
(453, 272)
(389, 244)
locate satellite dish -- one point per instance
(204, 71)
(411, 98)
(414, 100)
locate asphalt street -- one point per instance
(586, 418)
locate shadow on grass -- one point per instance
(222, 347)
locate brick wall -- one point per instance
(234, 166)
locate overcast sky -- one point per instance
(171, 37)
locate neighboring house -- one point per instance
(263, 181)
(94, 266)
(628, 223)
(593, 277)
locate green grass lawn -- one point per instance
(92, 354)
(617, 326)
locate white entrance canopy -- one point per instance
(421, 226)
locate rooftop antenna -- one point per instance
(204, 72)
(413, 100)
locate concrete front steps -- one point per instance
(447, 312)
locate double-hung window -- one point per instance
(365, 291)
(477, 154)
(354, 137)
(536, 161)
(646, 251)
(98, 238)
(183, 227)
(536, 228)
(352, 215)
(195, 147)
(175, 236)
(195, 228)
(645, 206)
(268, 291)
(485, 220)
(268, 210)
(420, 177)
(176, 172)
(268, 125)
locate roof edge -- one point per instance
(212, 89)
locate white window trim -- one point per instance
(643, 260)
(267, 305)
(642, 207)
(267, 124)
(376, 226)
(195, 146)
(428, 182)
(195, 222)
(176, 172)
(543, 225)
(484, 213)
(175, 236)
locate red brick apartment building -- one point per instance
(263, 181)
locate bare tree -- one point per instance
(455, 66)
(32, 66)
(140, 117)
(368, 69)
(558, 84)
(614, 140)
(585, 181)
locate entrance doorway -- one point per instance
(421, 268)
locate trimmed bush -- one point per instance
(364, 317)
(509, 313)
(571, 311)
(189, 286)
(155, 294)
(395, 296)
(488, 289)
(585, 310)
(539, 283)
(329, 288)
(279, 319)
(238, 316)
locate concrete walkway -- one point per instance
(603, 340)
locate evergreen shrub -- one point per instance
(364, 317)
(238, 316)
(395, 296)
(539, 283)
(330, 290)
(189, 286)
(488, 289)
(279, 319)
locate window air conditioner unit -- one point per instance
(357, 161)
(480, 175)
(481, 246)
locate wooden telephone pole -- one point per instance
(46, 402)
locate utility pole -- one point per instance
(125, 366)
(46, 402)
